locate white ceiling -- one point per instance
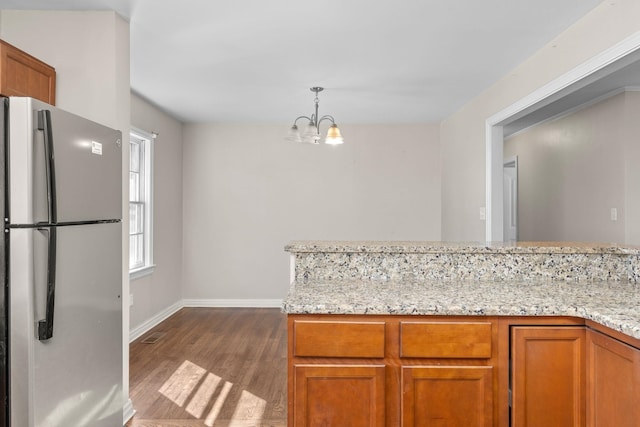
(380, 61)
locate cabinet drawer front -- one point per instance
(338, 339)
(445, 340)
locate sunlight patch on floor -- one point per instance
(182, 382)
(193, 386)
(249, 408)
(199, 403)
(211, 418)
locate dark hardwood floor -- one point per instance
(206, 367)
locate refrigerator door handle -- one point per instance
(44, 124)
(45, 326)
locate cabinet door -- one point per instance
(23, 75)
(548, 383)
(613, 383)
(339, 396)
(452, 396)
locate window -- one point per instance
(140, 203)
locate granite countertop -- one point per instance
(615, 304)
(310, 246)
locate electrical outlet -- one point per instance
(483, 213)
(130, 300)
(614, 214)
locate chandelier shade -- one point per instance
(311, 133)
(294, 134)
(333, 136)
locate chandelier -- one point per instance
(311, 133)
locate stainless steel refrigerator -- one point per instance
(61, 321)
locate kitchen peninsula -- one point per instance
(407, 333)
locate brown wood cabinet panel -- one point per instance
(445, 339)
(613, 385)
(338, 339)
(23, 75)
(548, 376)
(339, 395)
(452, 396)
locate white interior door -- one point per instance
(510, 199)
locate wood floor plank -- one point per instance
(199, 423)
(211, 367)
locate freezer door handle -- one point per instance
(45, 326)
(44, 124)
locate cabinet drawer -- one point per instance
(445, 340)
(338, 339)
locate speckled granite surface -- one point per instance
(464, 261)
(615, 304)
(594, 281)
(336, 246)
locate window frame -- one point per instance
(146, 140)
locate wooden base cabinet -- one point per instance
(614, 382)
(432, 371)
(547, 375)
(340, 395)
(449, 396)
(391, 371)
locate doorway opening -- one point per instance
(510, 197)
(592, 79)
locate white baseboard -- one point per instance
(140, 330)
(128, 412)
(258, 303)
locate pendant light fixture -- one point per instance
(311, 132)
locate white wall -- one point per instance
(87, 49)
(248, 192)
(90, 52)
(160, 291)
(571, 172)
(463, 133)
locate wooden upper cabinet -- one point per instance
(23, 75)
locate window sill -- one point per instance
(141, 272)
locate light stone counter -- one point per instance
(336, 246)
(314, 260)
(592, 281)
(615, 304)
